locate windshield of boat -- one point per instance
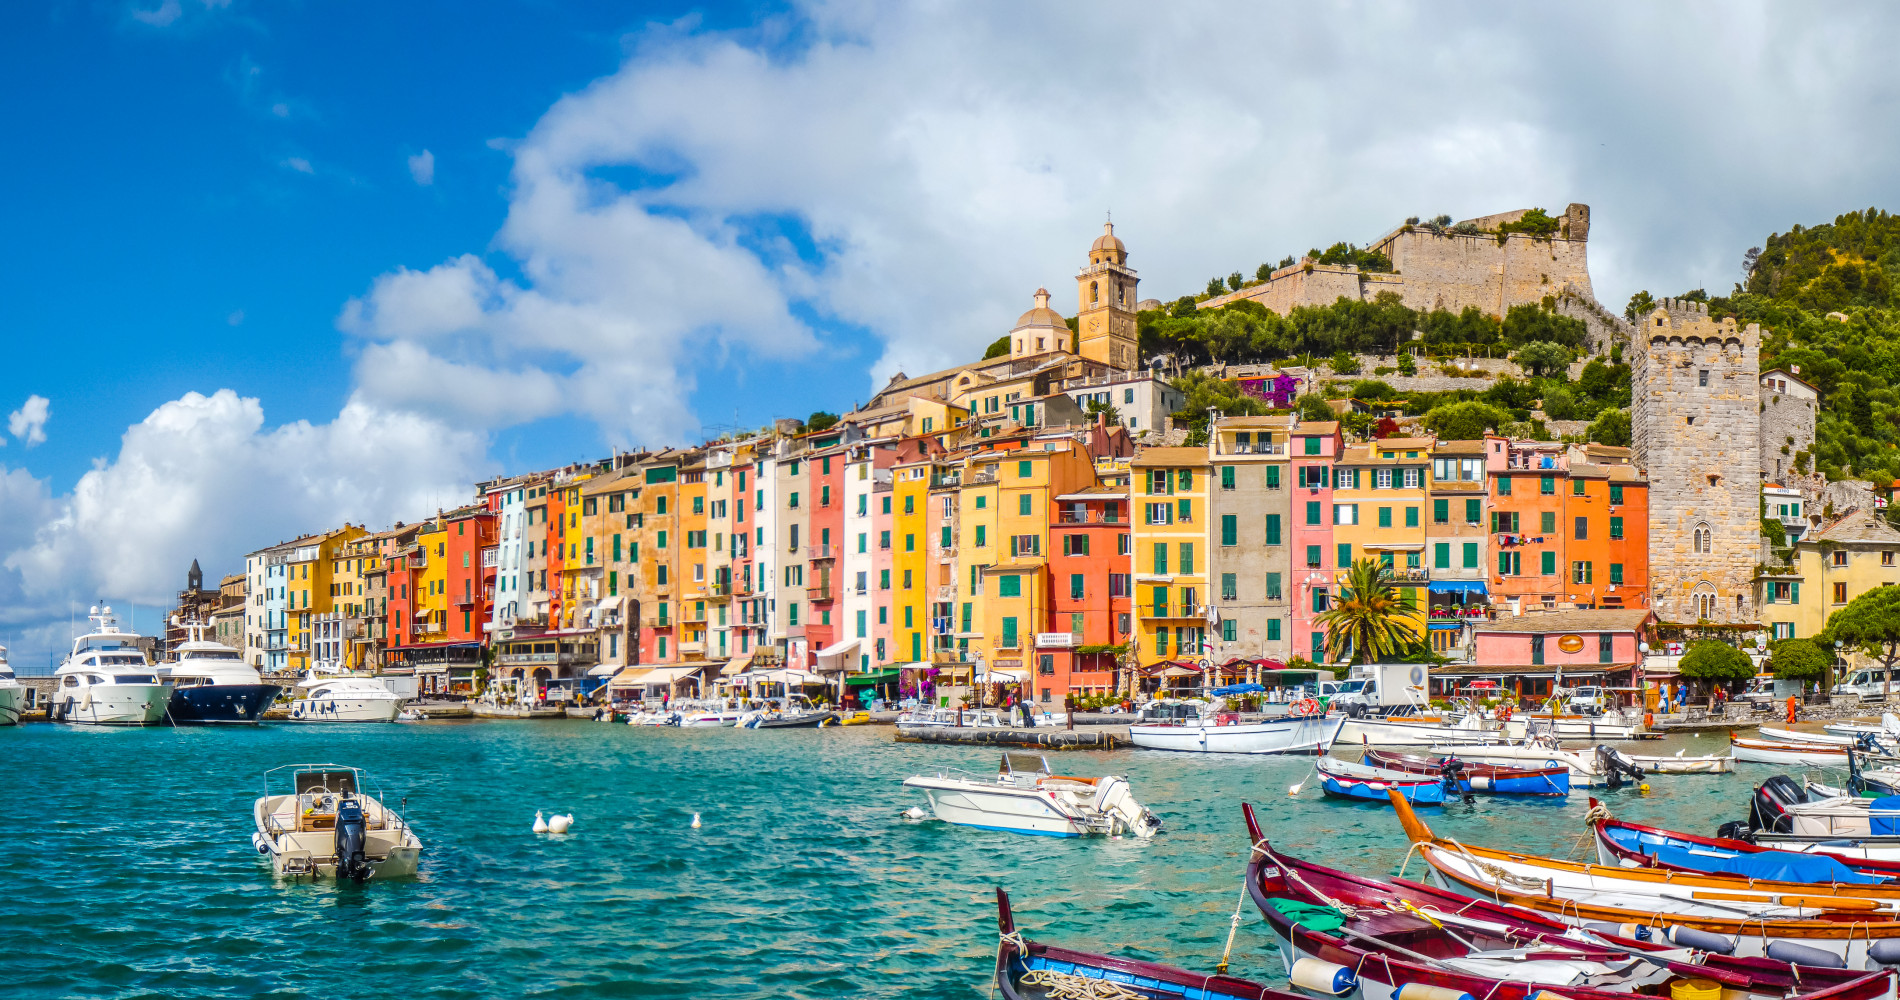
(201, 654)
(6, 672)
(134, 679)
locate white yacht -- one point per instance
(343, 698)
(211, 684)
(1025, 797)
(105, 680)
(326, 824)
(12, 694)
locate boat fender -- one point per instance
(1323, 977)
(1689, 937)
(263, 845)
(1886, 951)
(1635, 932)
(1426, 991)
(1801, 954)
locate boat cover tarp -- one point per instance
(1887, 825)
(1769, 866)
(1309, 915)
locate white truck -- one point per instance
(1379, 688)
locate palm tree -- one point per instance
(1368, 621)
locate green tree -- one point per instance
(1263, 272)
(1314, 407)
(1541, 357)
(1344, 363)
(1536, 222)
(1719, 662)
(997, 349)
(1368, 623)
(1214, 287)
(1204, 394)
(1359, 425)
(1234, 281)
(1530, 322)
(1464, 421)
(821, 421)
(1107, 410)
(1641, 304)
(1611, 427)
(1871, 624)
(1407, 366)
(1800, 659)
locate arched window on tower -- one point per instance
(1095, 292)
(1703, 540)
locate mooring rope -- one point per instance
(1064, 986)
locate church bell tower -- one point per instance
(1105, 304)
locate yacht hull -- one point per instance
(345, 709)
(12, 702)
(221, 704)
(1309, 734)
(114, 705)
(1009, 810)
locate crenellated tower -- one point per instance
(1695, 423)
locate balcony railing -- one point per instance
(1258, 448)
(1171, 610)
(982, 478)
(822, 592)
(1089, 517)
(824, 550)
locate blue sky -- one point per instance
(278, 264)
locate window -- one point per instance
(1319, 647)
(1616, 494)
(1510, 563)
(1312, 475)
(1273, 529)
(1186, 511)
(1319, 598)
(1025, 545)
(1160, 513)
(981, 536)
(884, 579)
(1382, 479)
(1312, 445)
(910, 543)
(1273, 477)
(1076, 587)
(1583, 529)
(1471, 555)
(1385, 517)
(1840, 557)
(1441, 511)
(1124, 544)
(884, 539)
(1187, 558)
(1504, 522)
(1580, 572)
(1345, 555)
(1576, 487)
(1022, 505)
(1783, 630)
(1345, 513)
(1548, 565)
(1616, 574)
(1702, 542)
(1346, 479)
(1312, 556)
(1616, 527)
(1273, 630)
(1009, 634)
(1411, 517)
(910, 505)
(1702, 377)
(1273, 587)
(1230, 531)
(1161, 602)
(1840, 593)
(1120, 585)
(1227, 630)
(1159, 566)
(1025, 469)
(1547, 521)
(1072, 545)
(1229, 587)
(1441, 555)
(1312, 512)
(1474, 511)
(1548, 487)
(1226, 477)
(1504, 486)
(1886, 559)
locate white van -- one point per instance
(1866, 684)
(1586, 701)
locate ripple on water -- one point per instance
(130, 870)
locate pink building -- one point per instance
(1312, 564)
(1526, 654)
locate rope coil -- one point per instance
(1065, 986)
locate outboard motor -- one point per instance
(352, 834)
(1453, 772)
(1614, 766)
(1767, 808)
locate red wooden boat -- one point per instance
(1401, 932)
(1496, 778)
(1031, 970)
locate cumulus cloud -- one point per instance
(202, 477)
(422, 168)
(28, 423)
(917, 170)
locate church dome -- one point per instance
(1108, 240)
(1041, 315)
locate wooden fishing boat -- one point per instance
(1681, 763)
(1495, 778)
(1031, 970)
(1772, 735)
(1852, 923)
(1398, 932)
(1632, 845)
(1347, 780)
(1806, 754)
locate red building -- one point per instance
(1091, 586)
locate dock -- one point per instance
(1045, 738)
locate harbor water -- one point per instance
(130, 872)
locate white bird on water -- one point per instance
(560, 824)
(695, 821)
(540, 825)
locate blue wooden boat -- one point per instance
(1494, 778)
(1632, 845)
(1359, 781)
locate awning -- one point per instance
(736, 665)
(832, 658)
(609, 604)
(1396, 546)
(784, 675)
(602, 670)
(1446, 626)
(1180, 672)
(667, 675)
(1457, 587)
(630, 676)
(872, 677)
(1005, 675)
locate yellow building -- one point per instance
(1171, 552)
(309, 585)
(1380, 511)
(696, 583)
(1856, 553)
(910, 561)
(430, 606)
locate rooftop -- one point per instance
(1568, 621)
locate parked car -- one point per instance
(1865, 684)
(1586, 701)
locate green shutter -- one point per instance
(1441, 511)
(1229, 528)
(1504, 486)
(1187, 558)
(1474, 511)
(1794, 592)
(1441, 555)
(1273, 529)
(1616, 577)
(1226, 477)
(1273, 630)
(1312, 512)
(1345, 555)
(1273, 477)
(1411, 517)
(1549, 567)
(1273, 586)
(1160, 563)
(1385, 517)
(1471, 555)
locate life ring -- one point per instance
(1505, 712)
(1306, 706)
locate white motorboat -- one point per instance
(12, 693)
(343, 698)
(931, 717)
(1611, 725)
(1025, 797)
(713, 716)
(1681, 763)
(211, 684)
(1888, 726)
(1804, 754)
(1182, 727)
(1418, 731)
(326, 824)
(105, 680)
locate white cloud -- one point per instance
(299, 164)
(422, 168)
(28, 423)
(946, 161)
(203, 478)
(161, 16)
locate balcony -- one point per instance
(1411, 574)
(824, 550)
(1258, 448)
(982, 478)
(1172, 610)
(1089, 517)
(821, 592)
(722, 589)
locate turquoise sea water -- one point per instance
(129, 870)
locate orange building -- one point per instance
(1569, 526)
(1092, 591)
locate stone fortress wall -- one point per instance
(1695, 423)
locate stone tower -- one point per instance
(1695, 422)
(1105, 304)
